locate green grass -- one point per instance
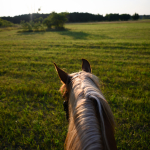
(31, 111)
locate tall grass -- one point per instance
(31, 111)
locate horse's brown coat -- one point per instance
(91, 125)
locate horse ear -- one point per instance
(86, 66)
(62, 74)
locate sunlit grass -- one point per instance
(32, 115)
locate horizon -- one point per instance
(76, 12)
(16, 7)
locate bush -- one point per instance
(31, 26)
(5, 23)
(27, 26)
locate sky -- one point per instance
(102, 7)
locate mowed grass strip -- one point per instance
(31, 111)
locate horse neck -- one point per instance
(84, 127)
(86, 130)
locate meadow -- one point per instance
(31, 110)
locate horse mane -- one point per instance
(87, 108)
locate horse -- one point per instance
(91, 121)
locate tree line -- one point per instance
(73, 17)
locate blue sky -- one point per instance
(103, 7)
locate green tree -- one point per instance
(27, 26)
(125, 17)
(5, 23)
(112, 17)
(135, 16)
(40, 19)
(47, 22)
(56, 19)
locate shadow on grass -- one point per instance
(30, 32)
(75, 34)
(67, 32)
(82, 35)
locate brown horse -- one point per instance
(91, 122)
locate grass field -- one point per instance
(31, 111)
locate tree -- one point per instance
(5, 23)
(125, 17)
(27, 26)
(40, 19)
(1, 22)
(112, 17)
(135, 16)
(47, 22)
(56, 19)
(84, 17)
